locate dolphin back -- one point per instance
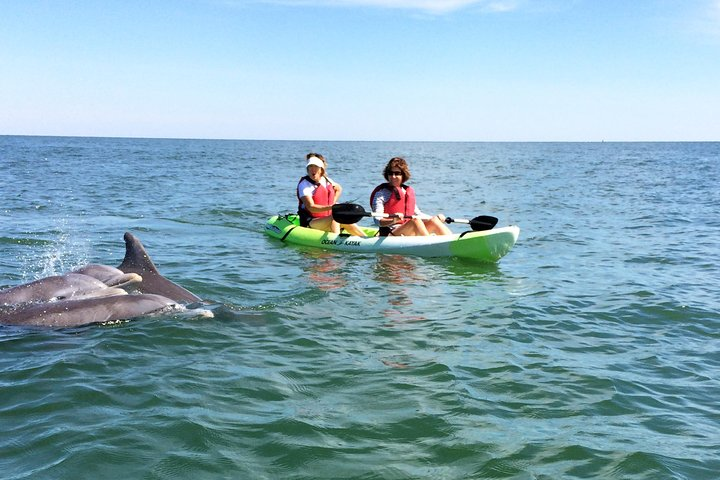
(137, 260)
(57, 287)
(74, 313)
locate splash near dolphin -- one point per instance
(97, 294)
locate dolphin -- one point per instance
(138, 261)
(77, 312)
(58, 287)
(110, 276)
(90, 294)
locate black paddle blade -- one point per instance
(348, 213)
(483, 222)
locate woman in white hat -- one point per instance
(316, 195)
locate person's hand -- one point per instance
(399, 216)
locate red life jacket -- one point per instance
(323, 195)
(400, 201)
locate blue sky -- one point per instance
(455, 70)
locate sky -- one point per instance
(379, 70)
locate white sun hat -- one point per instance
(315, 161)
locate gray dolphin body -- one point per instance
(59, 287)
(74, 313)
(138, 261)
(110, 276)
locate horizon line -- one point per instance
(122, 137)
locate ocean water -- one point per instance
(592, 350)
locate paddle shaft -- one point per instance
(482, 222)
(348, 213)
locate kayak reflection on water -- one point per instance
(399, 273)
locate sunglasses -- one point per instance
(398, 174)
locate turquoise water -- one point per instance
(591, 351)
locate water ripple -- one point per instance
(590, 351)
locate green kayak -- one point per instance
(486, 246)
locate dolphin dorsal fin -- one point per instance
(136, 258)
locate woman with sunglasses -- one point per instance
(316, 195)
(397, 199)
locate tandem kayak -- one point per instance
(486, 246)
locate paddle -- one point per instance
(479, 223)
(348, 213)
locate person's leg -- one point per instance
(413, 227)
(353, 229)
(437, 225)
(325, 223)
